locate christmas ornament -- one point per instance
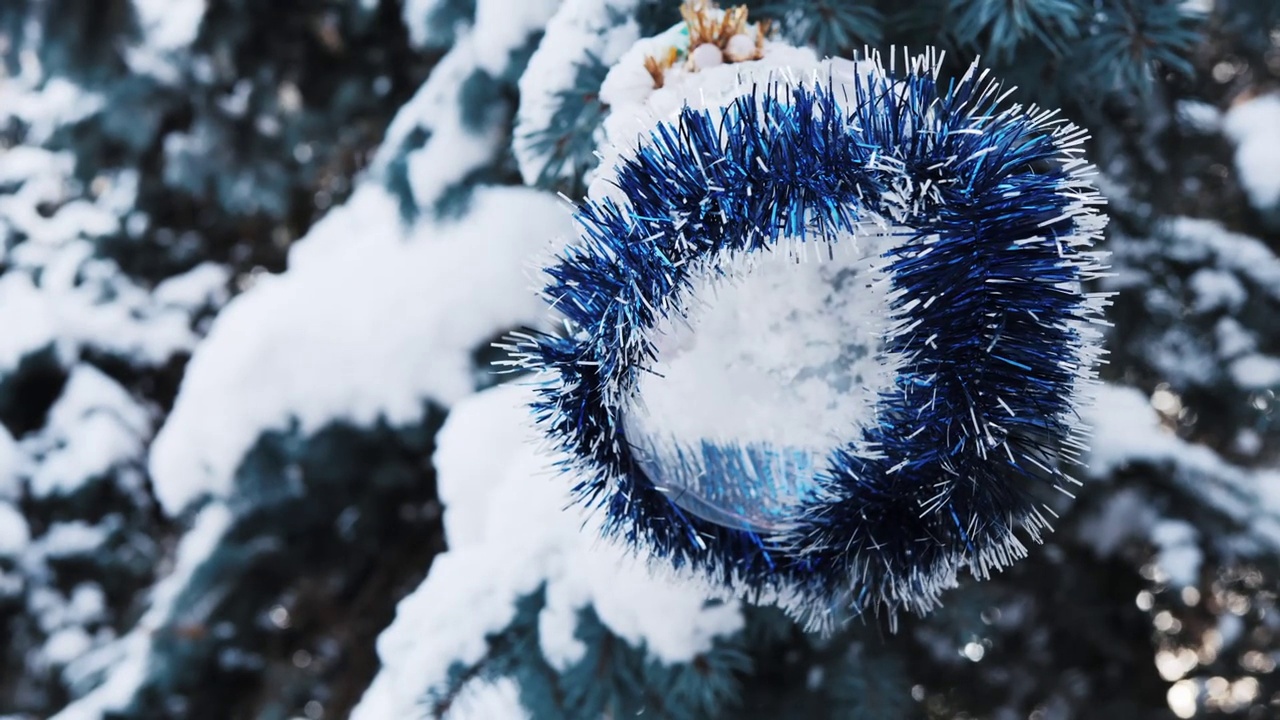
(825, 338)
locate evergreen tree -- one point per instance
(257, 459)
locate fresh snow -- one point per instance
(636, 107)
(373, 319)
(65, 619)
(170, 24)
(1124, 514)
(1230, 268)
(43, 105)
(419, 16)
(497, 700)
(581, 31)
(454, 146)
(1232, 338)
(453, 150)
(65, 644)
(1252, 126)
(1127, 430)
(94, 427)
(478, 700)
(1256, 372)
(28, 321)
(70, 539)
(781, 351)
(372, 324)
(126, 661)
(1198, 241)
(55, 294)
(774, 349)
(14, 532)
(502, 26)
(1217, 289)
(10, 485)
(203, 286)
(1199, 116)
(1179, 554)
(509, 534)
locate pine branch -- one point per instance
(567, 141)
(832, 27)
(1250, 24)
(870, 683)
(514, 651)
(612, 678)
(1130, 43)
(996, 29)
(434, 24)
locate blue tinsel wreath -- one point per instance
(988, 318)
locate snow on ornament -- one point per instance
(825, 337)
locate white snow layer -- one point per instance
(170, 24)
(1256, 372)
(453, 149)
(203, 286)
(124, 663)
(497, 700)
(63, 619)
(636, 107)
(416, 14)
(764, 351)
(55, 293)
(1199, 116)
(781, 350)
(1230, 263)
(1254, 126)
(169, 27)
(14, 532)
(580, 31)
(509, 533)
(366, 323)
(43, 105)
(1179, 554)
(502, 26)
(94, 426)
(72, 538)
(498, 25)
(1128, 430)
(10, 485)
(1206, 242)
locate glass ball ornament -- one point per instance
(825, 333)
(774, 360)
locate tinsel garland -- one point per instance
(956, 229)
